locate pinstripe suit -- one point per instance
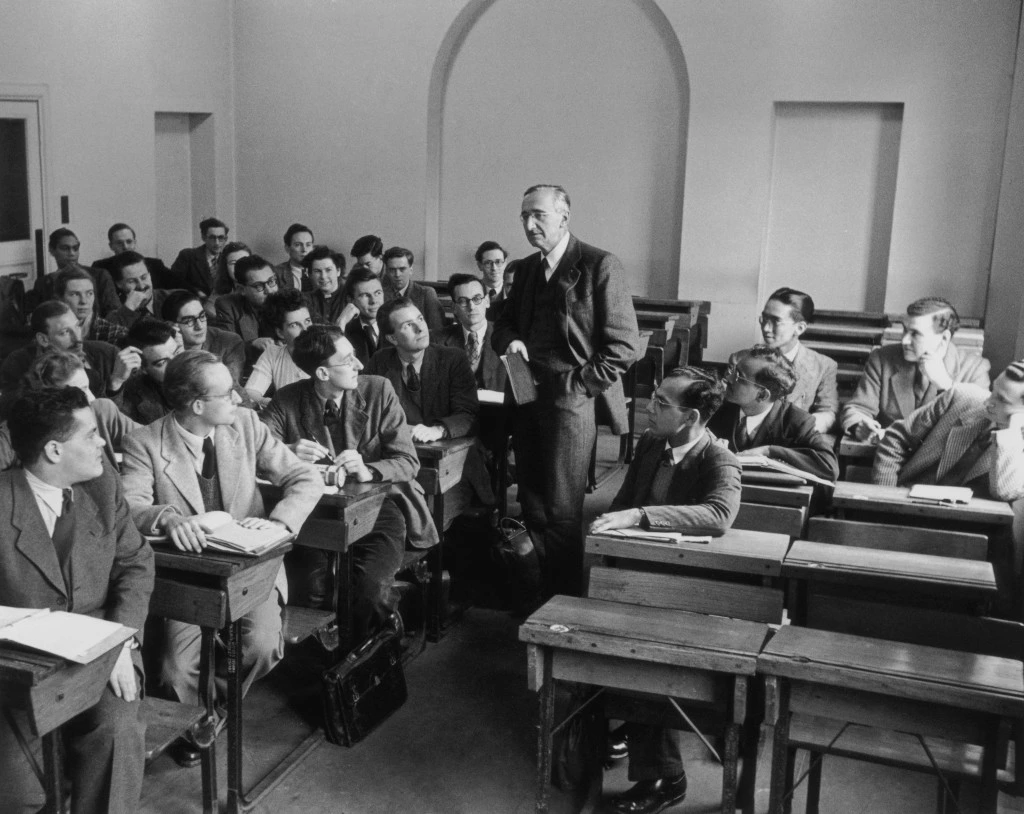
(939, 433)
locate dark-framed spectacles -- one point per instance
(262, 288)
(734, 376)
(192, 322)
(463, 302)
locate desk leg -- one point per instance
(207, 694)
(989, 781)
(340, 564)
(777, 715)
(435, 624)
(234, 724)
(53, 774)
(732, 745)
(547, 720)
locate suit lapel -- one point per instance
(901, 385)
(489, 360)
(356, 417)
(430, 380)
(32, 539)
(568, 274)
(686, 470)
(178, 465)
(311, 420)
(647, 468)
(532, 277)
(230, 453)
(959, 440)
(770, 421)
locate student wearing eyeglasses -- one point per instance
(241, 312)
(185, 310)
(758, 420)
(472, 331)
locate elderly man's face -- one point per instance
(543, 221)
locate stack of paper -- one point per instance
(951, 495)
(672, 537)
(72, 636)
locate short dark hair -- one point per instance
(246, 264)
(324, 253)
(705, 393)
(148, 332)
(778, 376)
(176, 300)
(41, 416)
(1015, 371)
(51, 369)
(117, 227)
(397, 251)
(561, 196)
(62, 278)
(357, 276)
(368, 244)
(46, 311)
(488, 246)
(314, 346)
(212, 223)
(293, 230)
(799, 303)
(280, 303)
(944, 315)
(387, 309)
(181, 378)
(57, 235)
(119, 262)
(459, 278)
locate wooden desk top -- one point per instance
(353, 494)
(212, 563)
(639, 633)
(954, 678)
(871, 566)
(739, 550)
(798, 496)
(896, 500)
(438, 450)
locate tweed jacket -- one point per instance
(704, 493)
(111, 565)
(286, 280)
(596, 318)
(100, 359)
(375, 427)
(789, 434)
(228, 347)
(939, 433)
(193, 270)
(233, 313)
(885, 391)
(423, 296)
(490, 373)
(355, 334)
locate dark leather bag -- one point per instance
(364, 688)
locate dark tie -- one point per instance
(473, 350)
(64, 530)
(491, 294)
(371, 338)
(666, 457)
(412, 379)
(209, 458)
(742, 436)
(331, 414)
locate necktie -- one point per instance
(742, 436)
(209, 458)
(213, 263)
(473, 350)
(666, 457)
(371, 337)
(64, 529)
(491, 294)
(412, 379)
(330, 412)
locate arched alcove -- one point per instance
(592, 94)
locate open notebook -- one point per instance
(224, 533)
(72, 636)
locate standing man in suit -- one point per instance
(571, 317)
(197, 267)
(68, 543)
(758, 420)
(202, 457)
(900, 378)
(363, 289)
(679, 480)
(121, 239)
(185, 310)
(338, 416)
(490, 260)
(64, 248)
(398, 283)
(139, 297)
(367, 253)
(293, 273)
(472, 332)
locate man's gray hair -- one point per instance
(562, 202)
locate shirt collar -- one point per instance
(479, 334)
(192, 441)
(791, 354)
(554, 256)
(678, 453)
(52, 496)
(755, 421)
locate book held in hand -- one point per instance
(520, 377)
(72, 636)
(947, 495)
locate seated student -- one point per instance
(139, 298)
(757, 419)
(696, 491)
(326, 299)
(76, 288)
(367, 253)
(121, 239)
(783, 320)
(78, 550)
(286, 313)
(56, 326)
(143, 399)
(472, 331)
(900, 378)
(293, 273)
(364, 290)
(57, 368)
(437, 391)
(64, 247)
(242, 311)
(204, 456)
(356, 421)
(490, 260)
(398, 284)
(196, 267)
(224, 279)
(185, 309)
(965, 437)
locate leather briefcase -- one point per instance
(364, 688)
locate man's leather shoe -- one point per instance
(651, 796)
(618, 748)
(185, 753)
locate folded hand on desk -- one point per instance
(352, 462)
(422, 434)
(616, 520)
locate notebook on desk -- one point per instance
(72, 636)
(224, 533)
(941, 495)
(755, 463)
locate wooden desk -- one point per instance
(215, 590)
(52, 691)
(912, 688)
(738, 551)
(858, 450)
(895, 500)
(795, 496)
(690, 656)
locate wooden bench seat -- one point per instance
(298, 624)
(166, 721)
(836, 349)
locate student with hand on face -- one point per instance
(139, 297)
(287, 314)
(364, 290)
(185, 310)
(143, 399)
(757, 420)
(367, 253)
(900, 378)
(242, 311)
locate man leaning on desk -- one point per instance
(205, 456)
(679, 480)
(67, 542)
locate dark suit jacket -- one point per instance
(286, 282)
(360, 344)
(229, 348)
(100, 356)
(161, 276)
(423, 297)
(236, 315)
(703, 495)
(375, 427)
(324, 310)
(596, 317)
(106, 292)
(191, 268)
(111, 566)
(789, 434)
(497, 304)
(125, 316)
(490, 374)
(142, 400)
(447, 388)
